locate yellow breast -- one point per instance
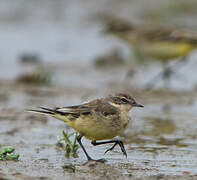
(99, 127)
(164, 51)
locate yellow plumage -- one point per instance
(163, 51)
(97, 126)
(156, 42)
(99, 119)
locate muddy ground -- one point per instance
(62, 40)
(160, 142)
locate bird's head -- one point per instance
(123, 101)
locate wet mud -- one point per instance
(53, 57)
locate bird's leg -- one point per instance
(80, 143)
(151, 84)
(120, 143)
(176, 66)
(169, 70)
(84, 150)
(165, 74)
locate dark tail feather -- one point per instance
(44, 111)
(47, 109)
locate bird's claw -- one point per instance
(110, 149)
(121, 146)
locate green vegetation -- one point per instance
(38, 77)
(6, 153)
(66, 144)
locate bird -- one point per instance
(99, 119)
(159, 43)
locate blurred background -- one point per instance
(55, 53)
(70, 32)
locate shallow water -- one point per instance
(157, 142)
(161, 139)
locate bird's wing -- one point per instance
(183, 35)
(78, 109)
(154, 33)
(169, 34)
(97, 106)
(106, 109)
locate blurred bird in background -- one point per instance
(160, 43)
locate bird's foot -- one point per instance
(121, 146)
(110, 149)
(123, 149)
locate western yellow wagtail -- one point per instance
(159, 43)
(99, 119)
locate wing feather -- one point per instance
(98, 106)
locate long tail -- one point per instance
(43, 111)
(53, 112)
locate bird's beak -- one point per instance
(137, 105)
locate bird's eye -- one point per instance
(124, 100)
